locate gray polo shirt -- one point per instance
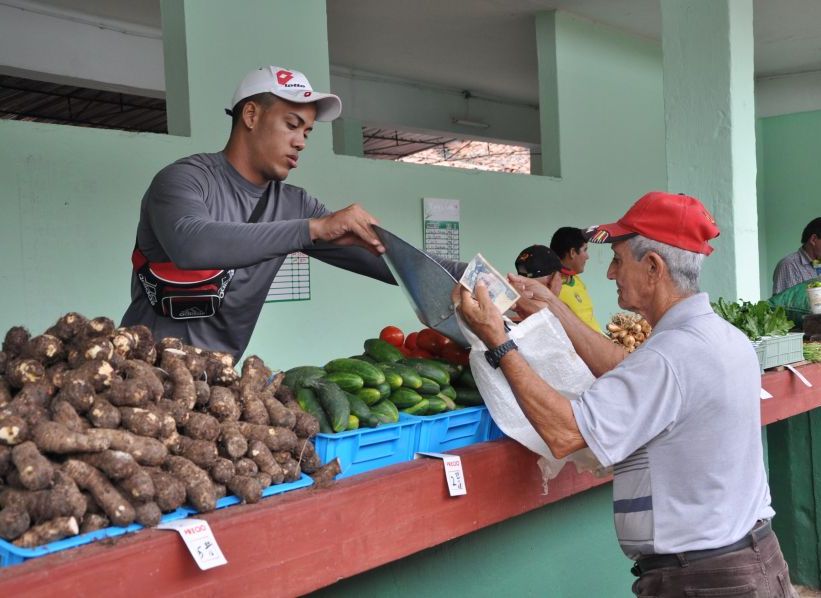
(195, 213)
(679, 419)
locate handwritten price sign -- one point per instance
(200, 541)
(454, 478)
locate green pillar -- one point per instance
(548, 94)
(348, 137)
(710, 130)
(176, 68)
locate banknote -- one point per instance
(501, 292)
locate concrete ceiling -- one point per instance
(488, 46)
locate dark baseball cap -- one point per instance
(537, 261)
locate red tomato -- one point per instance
(405, 351)
(393, 335)
(410, 340)
(453, 353)
(429, 340)
(421, 354)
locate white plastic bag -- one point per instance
(544, 344)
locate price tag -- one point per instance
(454, 477)
(799, 376)
(200, 540)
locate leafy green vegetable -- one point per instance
(812, 351)
(814, 285)
(754, 319)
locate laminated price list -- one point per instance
(441, 232)
(293, 281)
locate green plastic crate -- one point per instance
(773, 351)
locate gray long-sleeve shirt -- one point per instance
(195, 213)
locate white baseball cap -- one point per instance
(290, 85)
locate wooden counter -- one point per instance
(297, 542)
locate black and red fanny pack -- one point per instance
(186, 294)
(181, 294)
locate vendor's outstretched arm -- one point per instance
(597, 352)
(547, 409)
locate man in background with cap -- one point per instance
(678, 419)
(230, 212)
(542, 265)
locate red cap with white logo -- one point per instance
(290, 85)
(673, 219)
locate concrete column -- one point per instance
(175, 57)
(710, 130)
(348, 137)
(548, 94)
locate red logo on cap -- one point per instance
(284, 76)
(307, 94)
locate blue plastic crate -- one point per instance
(451, 430)
(227, 501)
(369, 448)
(495, 431)
(13, 555)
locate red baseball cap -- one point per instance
(674, 219)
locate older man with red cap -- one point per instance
(678, 419)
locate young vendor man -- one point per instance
(691, 501)
(219, 226)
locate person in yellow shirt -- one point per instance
(571, 246)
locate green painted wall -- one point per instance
(70, 196)
(564, 550)
(790, 184)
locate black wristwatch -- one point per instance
(494, 356)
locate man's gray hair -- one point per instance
(684, 266)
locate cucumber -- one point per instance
(410, 377)
(436, 405)
(382, 350)
(384, 389)
(453, 369)
(430, 369)
(334, 402)
(405, 397)
(448, 391)
(298, 376)
(386, 412)
(363, 357)
(361, 411)
(392, 377)
(466, 379)
(308, 402)
(420, 408)
(345, 380)
(353, 423)
(429, 387)
(369, 395)
(451, 404)
(469, 397)
(370, 374)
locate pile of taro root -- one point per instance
(100, 426)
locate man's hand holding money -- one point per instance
(480, 313)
